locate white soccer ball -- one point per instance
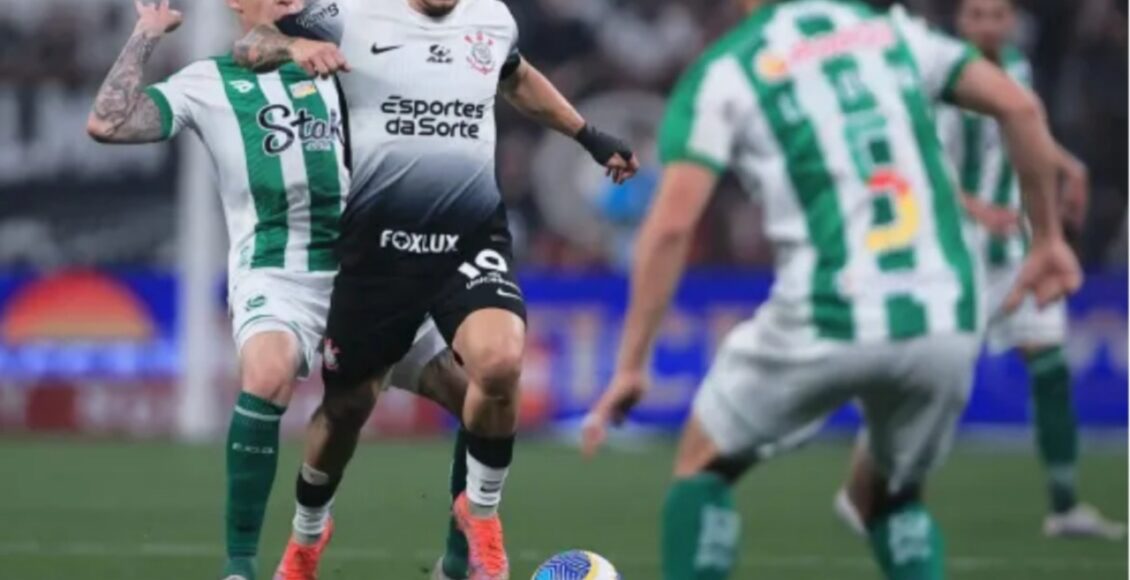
(576, 565)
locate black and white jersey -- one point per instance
(420, 102)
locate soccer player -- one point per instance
(424, 232)
(992, 197)
(276, 140)
(825, 109)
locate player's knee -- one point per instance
(271, 378)
(497, 368)
(348, 409)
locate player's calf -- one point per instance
(905, 538)
(331, 439)
(490, 344)
(269, 362)
(701, 527)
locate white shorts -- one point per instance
(755, 405)
(1028, 325)
(271, 300)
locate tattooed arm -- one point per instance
(310, 38)
(263, 47)
(122, 112)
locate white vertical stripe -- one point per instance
(294, 176)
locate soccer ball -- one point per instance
(576, 565)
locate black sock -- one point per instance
(318, 493)
(493, 452)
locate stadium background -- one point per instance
(93, 256)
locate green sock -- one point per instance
(701, 530)
(455, 555)
(242, 567)
(252, 457)
(908, 545)
(1057, 437)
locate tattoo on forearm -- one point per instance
(263, 47)
(123, 110)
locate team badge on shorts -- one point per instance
(482, 53)
(329, 355)
(257, 301)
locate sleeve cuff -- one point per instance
(696, 159)
(970, 54)
(165, 109)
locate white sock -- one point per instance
(484, 487)
(310, 522)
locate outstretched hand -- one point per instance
(318, 58)
(156, 18)
(1050, 273)
(612, 152)
(624, 392)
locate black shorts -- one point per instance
(389, 285)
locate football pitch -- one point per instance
(97, 510)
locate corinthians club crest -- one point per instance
(482, 52)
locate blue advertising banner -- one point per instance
(107, 327)
(577, 321)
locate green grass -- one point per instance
(74, 510)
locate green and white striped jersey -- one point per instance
(277, 143)
(825, 108)
(974, 144)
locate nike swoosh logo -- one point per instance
(380, 49)
(506, 294)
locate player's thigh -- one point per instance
(426, 346)
(430, 371)
(277, 321)
(755, 406)
(913, 410)
(481, 311)
(1034, 328)
(372, 322)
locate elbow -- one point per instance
(99, 130)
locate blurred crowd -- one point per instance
(617, 58)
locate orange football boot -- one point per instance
(300, 562)
(487, 552)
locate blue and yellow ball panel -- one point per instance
(576, 565)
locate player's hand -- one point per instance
(612, 152)
(155, 18)
(1000, 222)
(1050, 273)
(318, 58)
(625, 390)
